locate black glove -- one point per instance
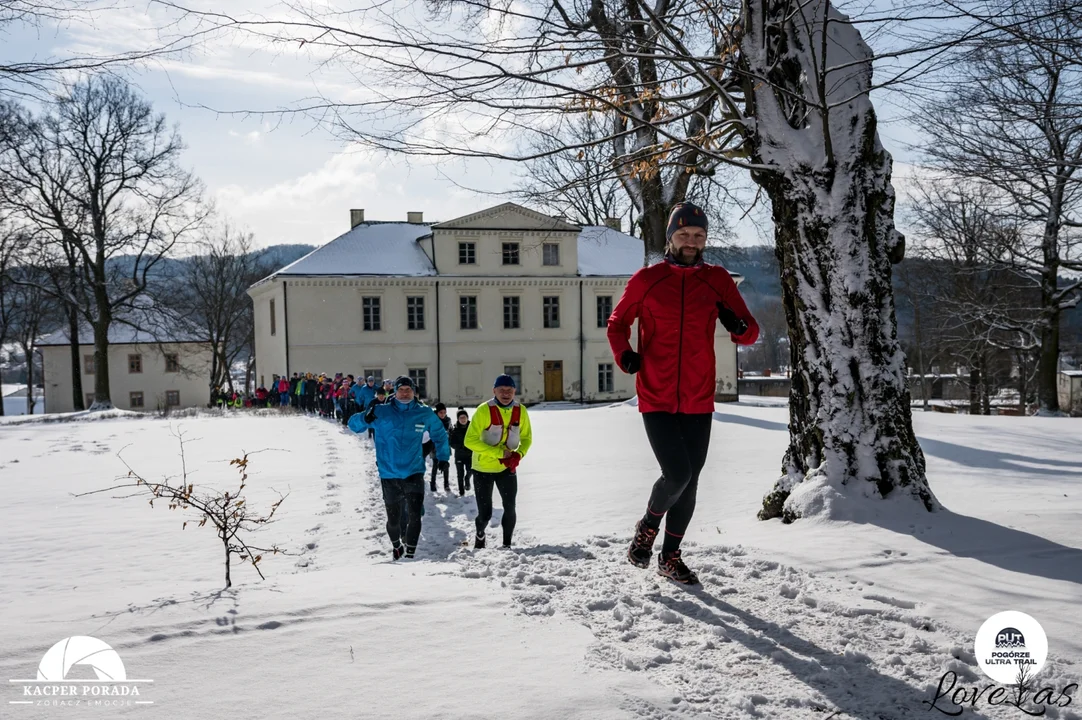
(370, 413)
(730, 321)
(630, 361)
(443, 466)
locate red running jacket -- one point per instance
(677, 310)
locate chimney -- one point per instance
(356, 217)
(415, 217)
(614, 223)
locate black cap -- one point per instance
(403, 381)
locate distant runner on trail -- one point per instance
(676, 302)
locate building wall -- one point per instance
(326, 335)
(489, 252)
(270, 349)
(192, 381)
(1070, 393)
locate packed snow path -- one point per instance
(755, 639)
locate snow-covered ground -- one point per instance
(798, 621)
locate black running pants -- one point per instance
(404, 498)
(465, 471)
(507, 483)
(680, 442)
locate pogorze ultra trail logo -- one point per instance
(1011, 646)
(59, 683)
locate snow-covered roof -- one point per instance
(371, 248)
(604, 251)
(121, 333)
(395, 249)
(1072, 373)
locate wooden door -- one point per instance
(554, 380)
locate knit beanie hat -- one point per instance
(462, 413)
(685, 215)
(505, 381)
(440, 406)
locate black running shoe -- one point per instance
(398, 551)
(642, 545)
(410, 551)
(479, 542)
(671, 566)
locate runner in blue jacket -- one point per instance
(400, 425)
(364, 394)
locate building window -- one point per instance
(135, 363)
(172, 398)
(604, 377)
(551, 253)
(370, 311)
(376, 373)
(511, 318)
(551, 305)
(89, 400)
(467, 253)
(604, 309)
(510, 253)
(88, 364)
(172, 363)
(135, 399)
(514, 371)
(415, 313)
(274, 320)
(419, 376)
(467, 312)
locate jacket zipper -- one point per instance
(680, 349)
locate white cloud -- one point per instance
(313, 207)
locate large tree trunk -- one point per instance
(1048, 360)
(1048, 366)
(102, 395)
(1048, 363)
(974, 390)
(77, 399)
(850, 425)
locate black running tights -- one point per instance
(680, 442)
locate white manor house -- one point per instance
(454, 304)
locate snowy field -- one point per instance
(812, 620)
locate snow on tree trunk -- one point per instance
(850, 425)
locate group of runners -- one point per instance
(488, 447)
(676, 302)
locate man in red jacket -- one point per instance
(677, 302)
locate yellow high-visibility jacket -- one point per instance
(486, 457)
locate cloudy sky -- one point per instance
(285, 178)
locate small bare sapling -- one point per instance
(227, 511)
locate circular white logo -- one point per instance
(1011, 647)
(81, 650)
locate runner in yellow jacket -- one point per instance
(499, 436)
